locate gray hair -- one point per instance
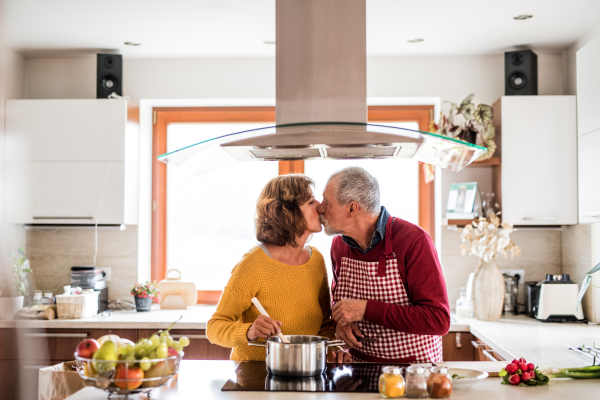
(356, 184)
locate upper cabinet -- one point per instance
(588, 117)
(71, 162)
(539, 159)
(588, 88)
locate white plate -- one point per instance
(471, 377)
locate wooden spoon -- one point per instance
(264, 312)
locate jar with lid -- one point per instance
(416, 382)
(391, 383)
(37, 297)
(439, 384)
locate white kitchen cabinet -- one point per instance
(539, 160)
(588, 88)
(70, 162)
(589, 177)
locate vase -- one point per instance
(9, 306)
(143, 303)
(488, 291)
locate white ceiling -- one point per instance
(238, 28)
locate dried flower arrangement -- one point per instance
(487, 238)
(466, 122)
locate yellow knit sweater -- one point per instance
(298, 296)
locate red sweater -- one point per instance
(422, 276)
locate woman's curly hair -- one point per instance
(279, 218)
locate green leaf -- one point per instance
(468, 111)
(595, 269)
(467, 100)
(584, 286)
(483, 114)
(503, 372)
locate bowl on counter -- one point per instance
(465, 378)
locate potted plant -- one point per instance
(145, 294)
(486, 238)
(13, 285)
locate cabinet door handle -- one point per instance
(477, 345)
(56, 335)
(458, 342)
(595, 214)
(539, 218)
(177, 336)
(69, 218)
(488, 355)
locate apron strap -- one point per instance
(388, 253)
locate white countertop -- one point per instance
(204, 379)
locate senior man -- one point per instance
(388, 283)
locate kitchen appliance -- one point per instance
(511, 286)
(558, 300)
(532, 293)
(90, 277)
(176, 294)
(304, 355)
(356, 377)
(321, 100)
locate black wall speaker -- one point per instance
(520, 72)
(109, 76)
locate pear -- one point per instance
(106, 352)
(158, 370)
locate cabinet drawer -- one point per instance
(199, 349)
(456, 346)
(60, 344)
(483, 352)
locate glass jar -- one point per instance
(439, 384)
(416, 383)
(462, 305)
(391, 383)
(37, 297)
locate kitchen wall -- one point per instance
(448, 77)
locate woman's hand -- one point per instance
(263, 327)
(341, 356)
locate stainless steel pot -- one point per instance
(305, 355)
(297, 384)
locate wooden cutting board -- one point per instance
(175, 294)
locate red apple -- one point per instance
(134, 376)
(86, 348)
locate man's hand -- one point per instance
(263, 327)
(346, 311)
(348, 334)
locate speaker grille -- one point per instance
(361, 152)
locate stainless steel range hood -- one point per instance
(321, 107)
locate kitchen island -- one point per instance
(204, 379)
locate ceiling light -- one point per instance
(523, 16)
(269, 42)
(417, 40)
(132, 44)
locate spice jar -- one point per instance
(416, 382)
(391, 383)
(439, 384)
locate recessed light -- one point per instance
(269, 42)
(523, 16)
(132, 44)
(417, 40)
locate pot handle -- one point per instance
(256, 343)
(335, 343)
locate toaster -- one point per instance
(558, 300)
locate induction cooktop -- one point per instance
(355, 377)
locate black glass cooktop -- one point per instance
(356, 377)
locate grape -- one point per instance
(170, 342)
(154, 339)
(163, 339)
(145, 364)
(177, 346)
(162, 352)
(153, 357)
(184, 341)
(131, 359)
(124, 350)
(140, 353)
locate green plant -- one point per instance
(587, 282)
(145, 290)
(465, 122)
(13, 278)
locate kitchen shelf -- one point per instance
(490, 161)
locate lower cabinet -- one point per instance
(199, 349)
(464, 346)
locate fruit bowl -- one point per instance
(122, 377)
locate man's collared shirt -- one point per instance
(378, 235)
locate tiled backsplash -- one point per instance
(541, 254)
(52, 253)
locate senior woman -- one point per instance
(288, 277)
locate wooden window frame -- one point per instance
(163, 116)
